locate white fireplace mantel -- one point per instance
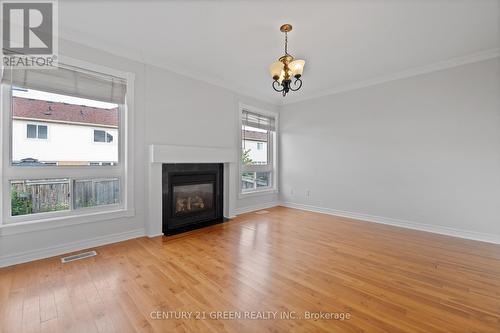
(159, 154)
(191, 154)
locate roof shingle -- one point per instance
(63, 112)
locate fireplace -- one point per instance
(192, 196)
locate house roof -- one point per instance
(62, 112)
(254, 136)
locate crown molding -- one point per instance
(438, 66)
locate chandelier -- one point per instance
(286, 68)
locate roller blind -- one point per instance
(69, 80)
(258, 121)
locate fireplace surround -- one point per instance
(192, 196)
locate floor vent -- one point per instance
(79, 256)
(260, 212)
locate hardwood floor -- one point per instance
(293, 262)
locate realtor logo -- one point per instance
(29, 33)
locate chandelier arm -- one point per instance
(274, 86)
(295, 84)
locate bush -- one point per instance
(20, 205)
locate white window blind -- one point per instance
(258, 121)
(69, 80)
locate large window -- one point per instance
(258, 133)
(65, 173)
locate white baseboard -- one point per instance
(461, 233)
(57, 250)
(254, 208)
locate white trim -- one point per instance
(255, 193)
(57, 250)
(63, 221)
(190, 154)
(437, 66)
(442, 230)
(253, 208)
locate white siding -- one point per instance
(257, 155)
(65, 142)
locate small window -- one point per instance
(36, 131)
(31, 131)
(102, 136)
(260, 145)
(99, 136)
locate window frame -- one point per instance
(37, 125)
(272, 150)
(123, 169)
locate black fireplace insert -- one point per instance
(192, 196)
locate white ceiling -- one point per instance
(232, 43)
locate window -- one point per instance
(39, 196)
(96, 192)
(258, 132)
(36, 131)
(68, 175)
(102, 136)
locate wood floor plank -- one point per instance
(284, 261)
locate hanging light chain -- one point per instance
(286, 43)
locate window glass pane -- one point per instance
(42, 132)
(96, 192)
(99, 136)
(31, 131)
(72, 121)
(39, 196)
(248, 181)
(263, 179)
(254, 144)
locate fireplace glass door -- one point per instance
(192, 198)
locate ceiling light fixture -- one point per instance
(286, 68)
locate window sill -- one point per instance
(63, 221)
(257, 193)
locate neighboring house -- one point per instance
(62, 134)
(256, 144)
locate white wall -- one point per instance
(421, 150)
(65, 142)
(170, 109)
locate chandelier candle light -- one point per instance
(287, 68)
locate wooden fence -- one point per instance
(37, 196)
(41, 196)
